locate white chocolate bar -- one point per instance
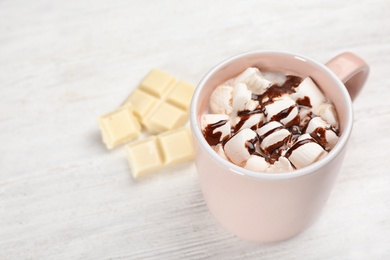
(157, 152)
(157, 83)
(143, 103)
(165, 117)
(181, 95)
(161, 103)
(119, 126)
(176, 146)
(144, 156)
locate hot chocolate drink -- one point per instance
(270, 122)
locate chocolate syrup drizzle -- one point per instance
(242, 121)
(212, 137)
(305, 101)
(297, 145)
(262, 137)
(251, 145)
(275, 91)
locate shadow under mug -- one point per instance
(269, 207)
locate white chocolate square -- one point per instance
(160, 151)
(144, 156)
(157, 83)
(143, 103)
(176, 146)
(119, 126)
(160, 102)
(165, 117)
(181, 94)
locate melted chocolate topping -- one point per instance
(211, 137)
(262, 137)
(295, 131)
(242, 121)
(297, 145)
(319, 134)
(249, 112)
(282, 114)
(288, 87)
(251, 145)
(305, 101)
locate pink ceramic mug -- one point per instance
(267, 207)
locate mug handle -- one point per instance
(351, 70)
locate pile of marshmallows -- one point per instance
(251, 126)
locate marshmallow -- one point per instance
(304, 116)
(272, 135)
(219, 149)
(305, 151)
(216, 127)
(238, 148)
(267, 128)
(281, 165)
(248, 121)
(283, 110)
(253, 79)
(242, 98)
(321, 132)
(256, 163)
(327, 112)
(221, 100)
(308, 90)
(275, 77)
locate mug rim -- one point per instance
(235, 169)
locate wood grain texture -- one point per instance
(64, 63)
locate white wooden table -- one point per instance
(64, 63)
